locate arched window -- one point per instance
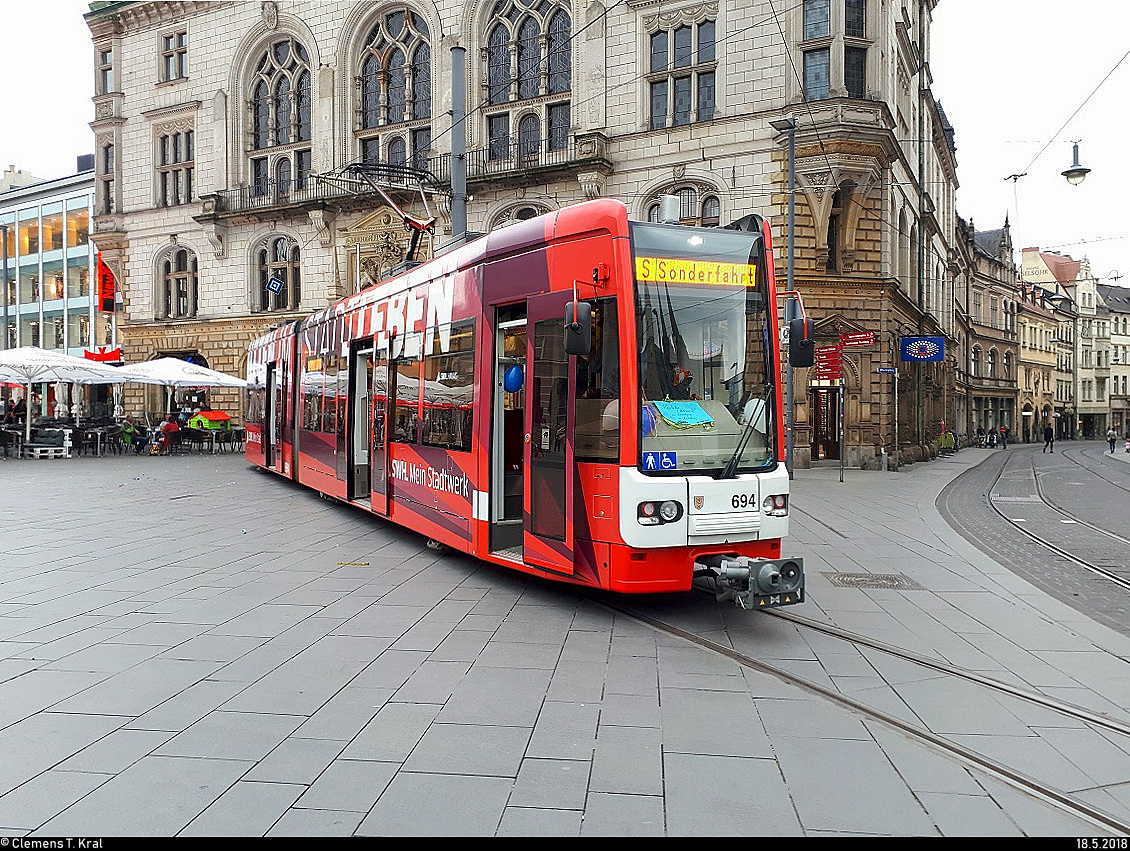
(528, 55)
(177, 281)
(280, 110)
(395, 86)
(975, 362)
(992, 364)
(529, 139)
(279, 274)
(696, 207)
(397, 152)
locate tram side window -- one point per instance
(312, 395)
(256, 404)
(406, 425)
(598, 388)
(449, 387)
(329, 395)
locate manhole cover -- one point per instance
(892, 581)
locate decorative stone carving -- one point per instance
(321, 223)
(592, 184)
(270, 11)
(215, 232)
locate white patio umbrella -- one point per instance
(32, 365)
(174, 372)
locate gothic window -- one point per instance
(681, 75)
(177, 282)
(278, 259)
(529, 64)
(395, 88)
(280, 114)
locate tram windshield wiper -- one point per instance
(729, 471)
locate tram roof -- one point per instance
(589, 216)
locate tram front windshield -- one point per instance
(706, 383)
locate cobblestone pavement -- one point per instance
(189, 647)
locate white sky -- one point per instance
(1009, 74)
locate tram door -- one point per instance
(360, 419)
(379, 429)
(550, 378)
(270, 415)
(507, 471)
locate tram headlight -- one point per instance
(656, 513)
(776, 505)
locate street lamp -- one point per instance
(788, 125)
(1076, 173)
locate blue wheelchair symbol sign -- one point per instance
(660, 460)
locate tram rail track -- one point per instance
(1098, 570)
(1063, 801)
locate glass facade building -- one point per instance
(50, 261)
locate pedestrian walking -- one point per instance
(1049, 439)
(1004, 437)
(1111, 436)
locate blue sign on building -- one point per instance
(922, 349)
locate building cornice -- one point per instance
(117, 18)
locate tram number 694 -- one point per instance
(743, 500)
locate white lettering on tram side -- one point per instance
(438, 480)
(392, 311)
(441, 302)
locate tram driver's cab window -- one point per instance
(598, 388)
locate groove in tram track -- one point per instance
(992, 767)
(1109, 575)
(966, 506)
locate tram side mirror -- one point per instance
(802, 348)
(578, 328)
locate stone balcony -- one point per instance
(499, 165)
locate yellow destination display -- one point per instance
(665, 270)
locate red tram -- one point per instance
(577, 396)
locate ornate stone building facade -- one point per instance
(993, 351)
(224, 131)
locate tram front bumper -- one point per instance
(754, 583)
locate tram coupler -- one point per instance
(753, 583)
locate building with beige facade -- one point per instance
(1083, 340)
(223, 131)
(1117, 302)
(1037, 324)
(990, 292)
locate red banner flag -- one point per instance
(106, 284)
